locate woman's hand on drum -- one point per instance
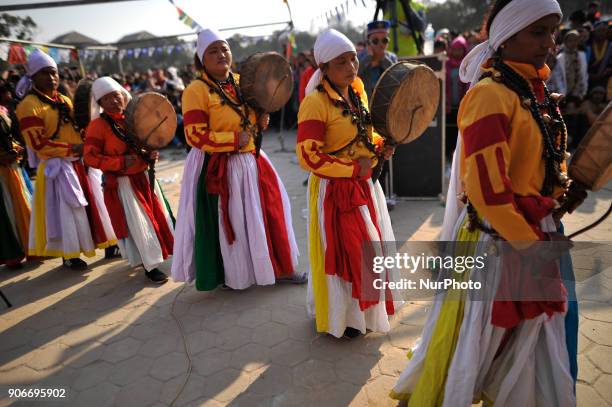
(388, 152)
(365, 164)
(243, 139)
(574, 197)
(77, 150)
(264, 121)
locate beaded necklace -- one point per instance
(551, 124)
(360, 117)
(63, 111)
(218, 88)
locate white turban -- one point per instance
(205, 38)
(329, 45)
(514, 17)
(100, 88)
(37, 61)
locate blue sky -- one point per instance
(109, 22)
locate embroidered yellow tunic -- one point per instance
(38, 122)
(502, 150)
(210, 125)
(323, 130)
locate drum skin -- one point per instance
(591, 164)
(405, 101)
(151, 119)
(266, 81)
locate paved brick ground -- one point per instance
(108, 337)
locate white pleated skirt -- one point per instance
(532, 370)
(142, 245)
(342, 309)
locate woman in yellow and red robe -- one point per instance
(140, 216)
(505, 342)
(65, 219)
(347, 211)
(234, 226)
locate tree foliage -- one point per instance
(462, 15)
(21, 28)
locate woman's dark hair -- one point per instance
(493, 12)
(197, 62)
(578, 17)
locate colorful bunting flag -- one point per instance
(4, 51)
(185, 18)
(17, 55)
(291, 46)
(63, 55)
(53, 54)
(28, 50)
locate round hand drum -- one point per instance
(405, 101)
(151, 119)
(591, 164)
(266, 81)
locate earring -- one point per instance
(503, 46)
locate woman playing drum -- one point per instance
(140, 217)
(234, 227)
(346, 209)
(510, 159)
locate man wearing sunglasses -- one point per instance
(371, 67)
(377, 59)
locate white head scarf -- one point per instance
(516, 16)
(100, 88)
(205, 38)
(329, 45)
(37, 61)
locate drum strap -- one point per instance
(132, 145)
(118, 132)
(62, 108)
(236, 107)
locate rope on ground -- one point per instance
(185, 345)
(592, 225)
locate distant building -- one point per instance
(140, 39)
(75, 38)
